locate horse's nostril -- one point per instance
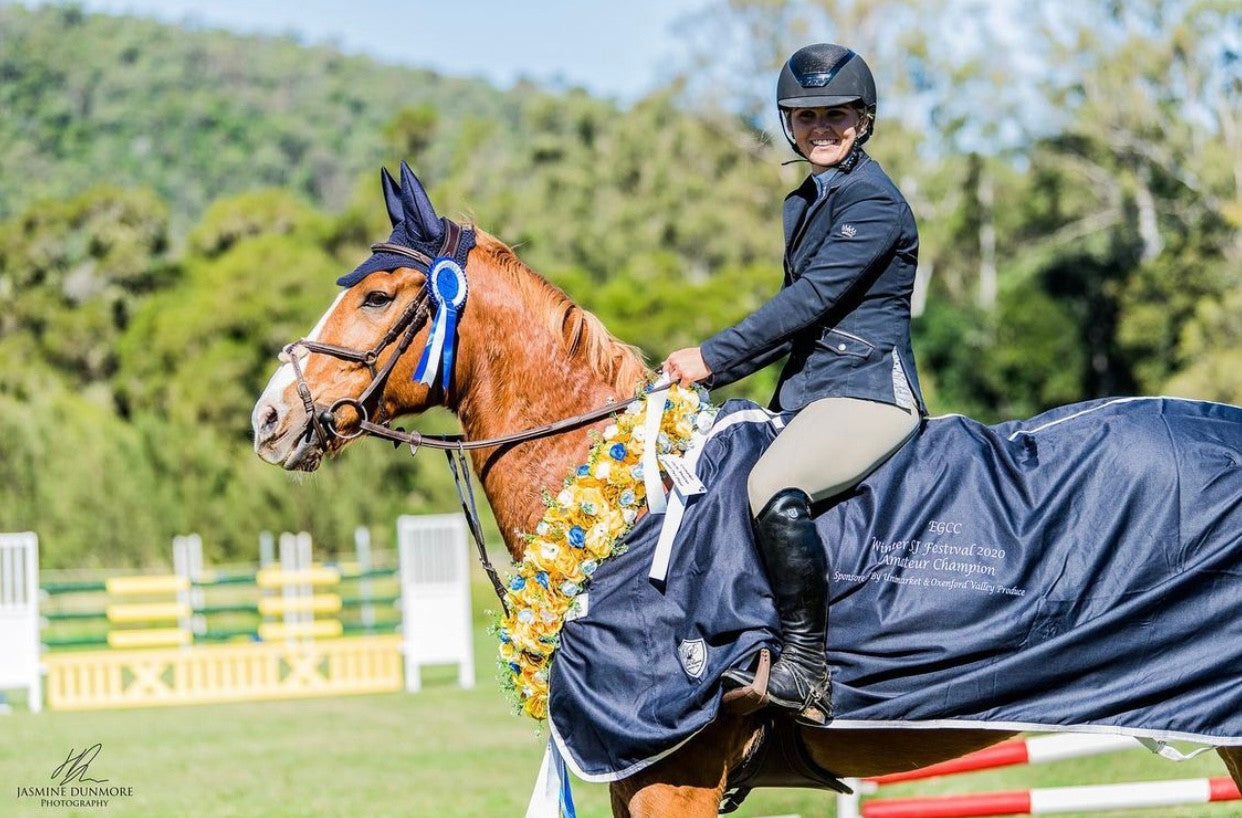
(268, 418)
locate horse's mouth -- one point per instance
(306, 455)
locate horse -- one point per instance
(525, 356)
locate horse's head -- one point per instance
(352, 366)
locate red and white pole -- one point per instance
(1034, 750)
(1059, 799)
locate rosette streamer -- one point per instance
(447, 283)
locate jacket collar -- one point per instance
(824, 180)
(834, 176)
(812, 193)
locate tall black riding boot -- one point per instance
(797, 568)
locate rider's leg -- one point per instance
(828, 448)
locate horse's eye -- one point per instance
(377, 298)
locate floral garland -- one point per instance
(581, 528)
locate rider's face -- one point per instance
(826, 135)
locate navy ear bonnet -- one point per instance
(414, 225)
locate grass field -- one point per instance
(442, 752)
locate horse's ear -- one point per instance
(392, 197)
(420, 215)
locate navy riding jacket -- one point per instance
(843, 314)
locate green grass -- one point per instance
(441, 752)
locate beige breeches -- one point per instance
(829, 447)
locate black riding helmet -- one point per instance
(823, 75)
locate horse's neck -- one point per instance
(519, 380)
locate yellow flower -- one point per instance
(591, 502)
(569, 565)
(526, 640)
(599, 541)
(536, 706)
(614, 521)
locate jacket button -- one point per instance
(841, 347)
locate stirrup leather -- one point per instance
(753, 694)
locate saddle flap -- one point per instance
(778, 758)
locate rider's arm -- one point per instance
(864, 229)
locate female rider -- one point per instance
(843, 318)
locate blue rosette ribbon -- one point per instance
(447, 282)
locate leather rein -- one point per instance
(321, 420)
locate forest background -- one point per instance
(176, 203)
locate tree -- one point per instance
(71, 275)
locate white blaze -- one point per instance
(273, 393)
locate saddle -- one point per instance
(778, 756)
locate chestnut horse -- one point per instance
(526, 356)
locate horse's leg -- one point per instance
(1233, 762)
(620, 808)
(690, 782)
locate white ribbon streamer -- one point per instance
(656, 501)
(435, 349)
(1163, 750)
(545, 800)
(677, 508)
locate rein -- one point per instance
(415, 440)
(321, 421)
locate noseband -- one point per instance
(321, 422)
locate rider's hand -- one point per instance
(686, 366)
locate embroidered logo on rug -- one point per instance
(849, 231)
(692, 653)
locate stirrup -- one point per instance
(750, 694)
(816, 710)
(815, 707)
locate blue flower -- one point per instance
(542, 578)
(515, 667)
(628, 498)
(584, 470)
(504, 636)
(570, 588)
(517, 584)
(577, 536)
(617, 451)
(526, 616)
(637, 472)
(589, 566)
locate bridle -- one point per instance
(321, 421)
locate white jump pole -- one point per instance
(19, 616)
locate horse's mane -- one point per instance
(583, 334)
